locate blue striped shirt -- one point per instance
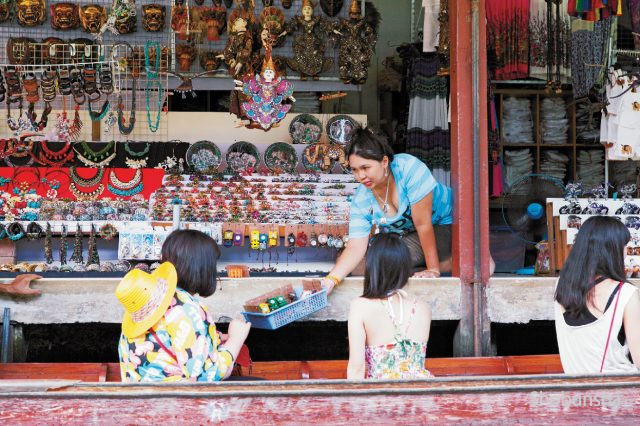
(414, 181)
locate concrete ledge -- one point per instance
(522, 299)
(92, 300)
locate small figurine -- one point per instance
(267, 93)
(308, 47)
(237, 53)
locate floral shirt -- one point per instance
(400, 360)
(192, 347)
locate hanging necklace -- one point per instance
(126, 129)
(147, 91)
(47, 157)
(86, 183)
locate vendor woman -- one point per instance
(397, 193)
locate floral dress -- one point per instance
(182, 345)
(403, 359)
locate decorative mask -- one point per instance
(64, 16)
(185, 55)
(31, 12)
(215, 19)
(5, 10)
(179, 15)
(153, 16)
(92, 18)
(210, 60)
(126, 22)
(287, 3)
(53, 50)
(20, 50)
(331, 7)
(272, 21)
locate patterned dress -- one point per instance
(182, 345)
(403, 359)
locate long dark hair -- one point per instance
(195, 256)
(386, 267)
(366, 144)
(598, 251)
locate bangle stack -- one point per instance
(336, 280)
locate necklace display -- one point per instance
(86, 183)
(125, 189)
(19, 149)
(86, 196)
(133, 153)
(47, 157)
(147, 91)
(91, 158)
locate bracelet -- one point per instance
(336, 280)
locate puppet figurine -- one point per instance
(272, 23)
(308, 47)
(267, 93)
(357, 39)
(237, 53)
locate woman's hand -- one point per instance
(427, 273)
(328, 284)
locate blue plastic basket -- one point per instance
(289, 313)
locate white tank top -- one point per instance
(582, 347)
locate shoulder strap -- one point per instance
(411, 315)
(613, 317)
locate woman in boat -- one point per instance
(388, 329)
(594, 301)
(397, 194)
(167, 334)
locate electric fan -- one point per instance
(524, 205)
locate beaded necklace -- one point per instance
(152, 73)
(19, 149)
(133, 153)
(47, 157)
(86, 183)
(126, 189)
(92, 159)
(86, 196)
(127, 129)
(154, 127)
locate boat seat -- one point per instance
(85, 372)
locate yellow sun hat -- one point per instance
(145, 297)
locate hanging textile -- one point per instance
(589, 54)
(431, 26)
(508, 38)
(594, 10)
(543, 45)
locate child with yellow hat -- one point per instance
(167, 334)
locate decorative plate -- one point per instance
(313, 161)
(204, 157)
(340, 127)
(243, 157)
(281, 156)
(305, 128)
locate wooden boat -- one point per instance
(497, 390)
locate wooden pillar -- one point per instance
(469, 171)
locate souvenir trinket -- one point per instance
(281, 157)
(239, 48)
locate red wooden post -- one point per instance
(469, 170)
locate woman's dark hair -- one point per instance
(366, 144)
(194, 254)
(387, 268)
(598, 251)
